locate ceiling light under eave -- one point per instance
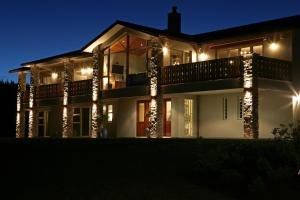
(203, 57)
(54, 75)
(274, 46)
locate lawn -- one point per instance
(148, 169)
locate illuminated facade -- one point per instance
(137, 81)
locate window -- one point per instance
(176, 57)
(168, 110)
(81, 122)
(188, 117)
(240, 107)
(42, 124)
(141, 112)
(108, 109)
(258, 49)
(225, 108)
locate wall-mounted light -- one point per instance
(86, 71)
(165, 50)
(296, 99)
(194, 57)
(203, 56)
(274, 46)
(54, 75)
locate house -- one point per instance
(235, 83)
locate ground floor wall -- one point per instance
(214, 114)
(275, 108)
(219, 115)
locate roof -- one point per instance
(21, 69)
(261, 27)
(145, 29)
(60, 56)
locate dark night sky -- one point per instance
(33, 29)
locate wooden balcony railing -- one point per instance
(50, 91)
(272, 68)
(79, 88)
(224, 68)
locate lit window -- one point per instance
(188, 117)
(168, 111)
(258, 50)
(225, 108)
(108, 110)
(141, 112)
(110, 113)
(81, 122)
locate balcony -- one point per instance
(272, 68)
(225, 68)
(81, 88)
(50, 91)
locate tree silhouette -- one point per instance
(8, 94)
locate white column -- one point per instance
(67, 108)
(97, 107)
(155, 92)
(21, 92)
(33, 111)
(250, 96)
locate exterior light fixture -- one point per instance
(203, 56)
(274, 46)
(86, 71)
(165, 50)
(54, 75)
(296, 99)
(194, 57)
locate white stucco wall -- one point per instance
(126, 118)
(275, 108)
(177, 124)
(211, 122)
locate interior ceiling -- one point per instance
(137, 45)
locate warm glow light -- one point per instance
(54, 75)
(296, 99)
(248, 84)
(203, 56)
(165, 50)
(274, 46)
(194, 57)
(94, 121)
(86, 71)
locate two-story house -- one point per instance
(235, 83)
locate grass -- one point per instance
(116, 169)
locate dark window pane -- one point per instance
(76, 130)
(41, 131)
(85, 122)
(41, 121)
(76, 110)
(41, 114)
(76, 119)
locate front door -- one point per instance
(167, 108)
(142, 118)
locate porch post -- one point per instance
(33, 110)
(67, 108)
(155, 92)
(21, 92)
(250, 97)
(97, 98)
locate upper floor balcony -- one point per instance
(218, 69)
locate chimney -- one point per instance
(174, 21)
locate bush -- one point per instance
(252, 167)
